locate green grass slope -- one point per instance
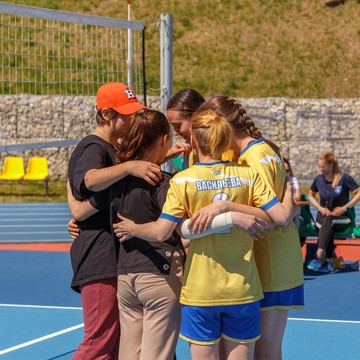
(248, 48)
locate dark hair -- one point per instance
(286, 161)
(211, 132)
(100, 118)
(186, 101)
(236, 116)
(146, 126)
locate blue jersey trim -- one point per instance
(270, 204)
(171, 218)
(251, 143)
(213, 163)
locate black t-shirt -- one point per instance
(141, 202)
(94, 251)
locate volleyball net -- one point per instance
(48, 52)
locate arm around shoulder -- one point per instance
(101, 179)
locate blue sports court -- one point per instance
(41, 316)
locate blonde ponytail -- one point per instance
(212, 133)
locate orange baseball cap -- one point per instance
(119, 97)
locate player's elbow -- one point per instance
(161, 234)
(160, 237)
(78, 214)
(281, 218)
(281, 222)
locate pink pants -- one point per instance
(101, 321)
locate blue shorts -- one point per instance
(283, 300)
(206, 325)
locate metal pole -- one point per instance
(166, 70)
(130, 50)
(143, 66)
(166, 52)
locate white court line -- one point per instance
(31, 342)
(323, 320)
(42, 306)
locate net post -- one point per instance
(166, 69)
(130, 52)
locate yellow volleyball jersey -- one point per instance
(220, 268)
(230, 155)
(278, 255)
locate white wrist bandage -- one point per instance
(220, 223)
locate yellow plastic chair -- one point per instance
(37, 170)
(13, 168)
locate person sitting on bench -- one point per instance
(333, 187)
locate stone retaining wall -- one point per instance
(303, 128)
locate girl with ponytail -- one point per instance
(278, 255)
(221, 289)
(333, 187)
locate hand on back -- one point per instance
(73, 229)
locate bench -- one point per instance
(347, 242)
(37, 170)
(348, 248)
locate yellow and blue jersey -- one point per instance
(220, 268)
(278, 255)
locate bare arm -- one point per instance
(283, 213)
(101, 179)
(159, 230)
(177, 149)
(251, 224)
(324, 211)
(340, 210)
(80, 210)
(280, 213)
(202, 219)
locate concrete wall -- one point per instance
(303, 128)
